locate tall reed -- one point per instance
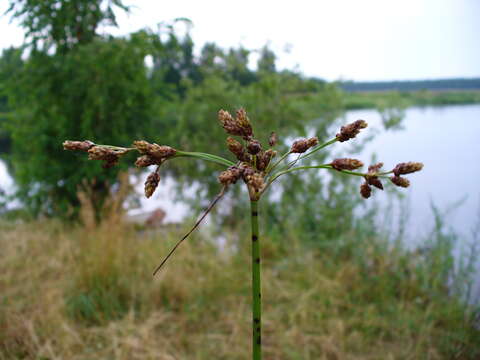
(256, 168)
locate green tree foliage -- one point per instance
(63, 24)
(10, 66)
(77, 84)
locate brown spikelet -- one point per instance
(372, 178)
(374, 181)
(146, 160)
(108, 155)
(265, 158)
(232, 126)
(256, 182)
(407, 168)
(346, 164)
(78, 145)
(302, 145)
(372, 169)
(273, 139)
(254, 147)
(244, 123)
(156, 151)
(230, 176)
(400, 181)
(365, 190)
(151, 183)
(349, 131)
(142, 146)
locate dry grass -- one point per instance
(88, 294)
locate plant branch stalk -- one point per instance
(204, 156)
(256, 285)
(324, 166)
(315, 149)
(270, 168)
(209, 208)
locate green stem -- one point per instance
(314, 150)
(270, 168)
(256, 285)
(324, 166)
(204, 156)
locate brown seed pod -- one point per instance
(365, 190)
(407, 168)
(302, 145)
(159, 152)
(256, 181)
(346, 164)
(254, 147)
(244, 122)
(108, 155)
(372, 169)
(239, 126)
(265, 158)
(237, 149)
(151, 183)
(372, 178)
(349, 131)
(146, 160)
(230, 176)
(78, 145)
(273, 139)
(374, 181)
(400, 181)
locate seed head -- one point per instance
(109, 156)
(349, 131)
(254, 147)
(373, 169)
(256, 181)
(244, 122)
(372, 178)
(273, 139)
(78, 145)
(264, 159)
(146, 160)
(230, 176)
(302, 145)
(142, 146)
(239, 126)
(237, 149)
(159, 152)
(400, 181)
(365, 190)
(407, 168)
(375, 181)
(346, 164)
(151, 183)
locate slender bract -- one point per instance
(255, 167)
(256, 285)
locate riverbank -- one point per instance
(90, 294)
(387, 99)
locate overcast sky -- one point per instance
(341, 39)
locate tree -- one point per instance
(74, 84)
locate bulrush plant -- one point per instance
(255, 165)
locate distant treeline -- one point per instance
(414, 85)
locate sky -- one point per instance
(363, 40)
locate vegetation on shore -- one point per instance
(384, 99)
(88, 293)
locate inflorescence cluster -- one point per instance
(254, 165)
